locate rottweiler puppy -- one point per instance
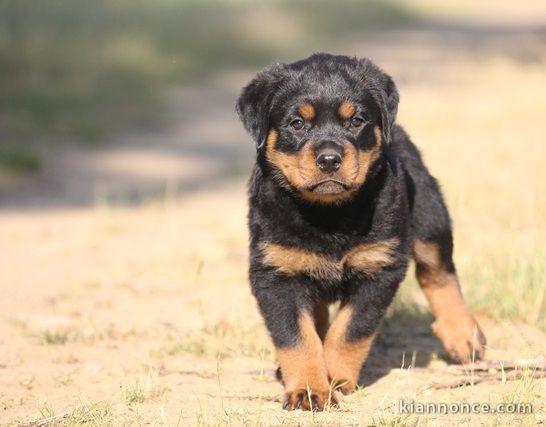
(339, 199)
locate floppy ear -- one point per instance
(384, 92)
(389, 106)
(254, 103)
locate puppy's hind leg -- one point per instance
(433, 253)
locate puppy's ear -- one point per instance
(389, 106)
(389, 109)
(385, 94)
(393, 98)
(254, 103)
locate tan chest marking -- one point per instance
(367, 258)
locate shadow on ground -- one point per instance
(201, 145)
(404, 342)
(401, 343)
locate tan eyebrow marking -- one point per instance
(346, 110)
(307, 111)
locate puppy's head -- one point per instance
(320, 123)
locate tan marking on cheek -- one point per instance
(307, 162)
(346, 110)
(272, 137)
(300, 169)
(303, 366)
(287, 164)
(369, 258)
(295, 261)
(307, 111)
(344, 359)
(349, 167)
(356, 164)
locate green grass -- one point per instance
(19, 160)
(509, 288)
(135, 394)
(54, 337)
(222, 340)
(79, 70)
(512, 290)
(86, 413)
(88, 334)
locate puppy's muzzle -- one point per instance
(329, 157)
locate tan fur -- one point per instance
(322, 318)
(303, 366)
(353, 171)
(346, 110)
(371, 257)
(367, 258)
(455, 326)
(307, 111)
(431, 274)
(344, 358)
(301, 171)
(292, 261)
(377, 134)
(296, 168)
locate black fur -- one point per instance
(399, 198)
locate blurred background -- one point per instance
(122, 99)
(123, 166)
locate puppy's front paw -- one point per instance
(309, 400)
(462, 337)
(345, 386)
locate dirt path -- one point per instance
(123, 268)
(145, 316)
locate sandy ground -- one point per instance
(123, 268)
(144, 316)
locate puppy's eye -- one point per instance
(356, 122)
(297, 124)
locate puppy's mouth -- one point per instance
(329, 187)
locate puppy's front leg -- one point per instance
(351, 334)
(298, 346)
(303, 369)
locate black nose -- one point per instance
(329, 161)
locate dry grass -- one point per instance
(130, 316)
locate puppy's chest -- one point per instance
(362, 259)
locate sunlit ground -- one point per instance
(125, 297)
